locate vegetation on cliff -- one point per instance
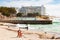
(6, 11)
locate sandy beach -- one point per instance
(11, 34)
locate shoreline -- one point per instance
(39, 34)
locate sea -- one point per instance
(54, 27)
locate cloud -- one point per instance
(19, 3)
(53, 10)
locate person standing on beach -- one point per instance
(19, 33)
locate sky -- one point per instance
(52, 6)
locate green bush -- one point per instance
(6, 11)
(6, 14)
(19, 14)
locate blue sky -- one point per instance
(56, 2)
(52, 6)
(2, 2)
(22, 2)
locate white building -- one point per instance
(42, 10)
(33, 9)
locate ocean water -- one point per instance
(54, 27)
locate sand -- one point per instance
(11, 34)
